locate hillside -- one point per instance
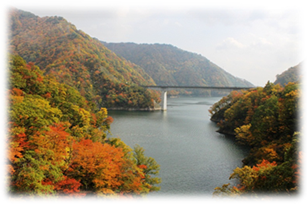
(78, 60)
(266, 120)
(57, 144)
(169, 65)
(290, 75)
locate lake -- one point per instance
(193, 157)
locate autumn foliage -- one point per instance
(264, 119)
(57, 143)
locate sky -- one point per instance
(251, 42)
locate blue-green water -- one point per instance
(193, 157)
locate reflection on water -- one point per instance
(193, 157)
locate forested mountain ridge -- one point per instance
(73, 57)
(290, 75)
(266, 119)
(57, 144)
(169, 65)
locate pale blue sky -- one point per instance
(254, 43)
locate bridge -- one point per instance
(164, 90)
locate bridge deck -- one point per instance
(198, 87)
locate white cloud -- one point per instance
(230, 43)
(178, 24)
(122, 12)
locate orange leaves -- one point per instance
(108, 120)
(106, 169)
(264, 164)
(268, 152)
(97, 164)
(17, 143)
(47, 95)
(17, 92)
(142, 166)
(56, 140)
(236, 94)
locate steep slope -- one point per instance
(169, 65)
(265, 119)
(57, 145)
(290, 75)
(76, 59)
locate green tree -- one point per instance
(149, 166)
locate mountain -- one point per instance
(78, 60)
(57, 144)
(290, 75)
(169, 65)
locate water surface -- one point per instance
(193, 157)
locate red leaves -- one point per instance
(68, 186)
(264, 164)
(47, 95)
(142, 166)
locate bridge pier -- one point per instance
(164, 99)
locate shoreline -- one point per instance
(148, 109)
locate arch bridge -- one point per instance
(164, 90)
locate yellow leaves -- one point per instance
(12, 96)
(293, 93)
(77, 132)
(246, 175)
(249, 177)
(62, 93)
(16, 99)
(101, 115)
(103, 121)
(244, 135)
(81, 115)
(267, 153)
(226, 190)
